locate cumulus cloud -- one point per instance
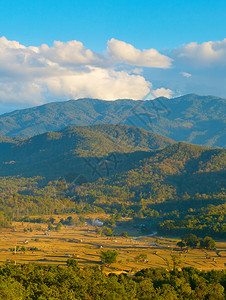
(71, 53)
(126, 53)
(208, 54)
(36, 75)
(98, 83)
(162, 92)
(197, 68)
(21, 92)
(33, 75)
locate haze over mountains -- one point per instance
(190, 118)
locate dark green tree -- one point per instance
(109, 257)
(107, 231)
(181, 244)
(207, 243)
(190, 239)
(72, 263)
(124, 234)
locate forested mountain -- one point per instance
(191, 118)
(176, 172)
(74, 149)
(180, 188)
(7, 142)
(174, 188)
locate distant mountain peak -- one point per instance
(191, 118)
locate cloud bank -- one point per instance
(33, 75)
(205, 55)
(36, 75)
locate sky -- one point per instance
(61, 50)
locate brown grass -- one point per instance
(85, 245)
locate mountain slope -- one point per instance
(7, 142)
(73, 149)
(167, 175)
(195, 119)
(175, 190)
(191, 118)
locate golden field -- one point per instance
(84, 244)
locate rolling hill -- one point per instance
(174, 188)
(167, 175)
(190, 118)
(76, 149)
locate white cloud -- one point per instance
(208, 54)
(185, 74)
(36, 75)
(206, 62)
(162, 92)
(71, 53)
(98, 83)
(126, 53)
(33, 75)
(21, 92)
(137, 71)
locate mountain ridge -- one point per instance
(165, 175)
(190, 118)
(71, 147)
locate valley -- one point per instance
(113, 150)
(115, 202)
(84, 244)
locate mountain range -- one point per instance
(173, 187)
(119, 157)
(190, 118)
(124, 157)
(165, 175)
(76, 149)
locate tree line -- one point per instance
(33, 281)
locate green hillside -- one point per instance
(195, 119)
(167, 175)
(190, 118)
(178, 190)
(73, 149)
(175, 190)
(7, 142)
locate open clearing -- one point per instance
(85, 245)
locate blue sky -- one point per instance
(106, 30)
(145, 24)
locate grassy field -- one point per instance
(85, 245)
